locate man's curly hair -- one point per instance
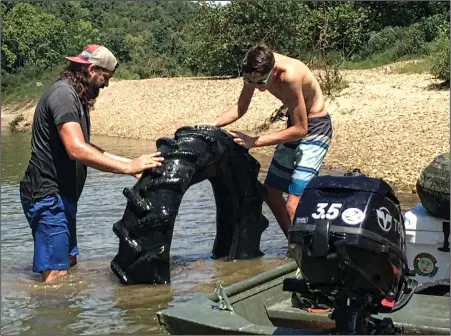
(78, 76)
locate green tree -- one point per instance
(220, 36)
(32, 37)
(401, 13)
(341, 27)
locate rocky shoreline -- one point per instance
(388, 125)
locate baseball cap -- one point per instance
(97, 55)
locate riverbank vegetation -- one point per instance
(178, 38)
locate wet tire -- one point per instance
(193, 155)
(433, 187)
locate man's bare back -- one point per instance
(300, 76)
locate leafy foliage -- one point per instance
(176, 38)
(31, 36)
(440, 56)
(221, 35)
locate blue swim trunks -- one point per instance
(295, 163)
(53, 225)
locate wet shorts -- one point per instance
(295, 163)
(53, 226)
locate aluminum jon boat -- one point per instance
(259, 306)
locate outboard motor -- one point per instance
(348, 239)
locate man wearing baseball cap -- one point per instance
(60, 154)
(96, 55)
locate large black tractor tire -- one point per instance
(193, 155)
(433, 187)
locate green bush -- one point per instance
(440, 57)
(411, 41)
(329, 76)
(125, 72)
(380, 41)
(27, 83)
(12, 81)
(433, 26)
(397, 42)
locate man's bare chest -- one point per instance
(286, 95)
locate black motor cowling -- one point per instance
(348, 239)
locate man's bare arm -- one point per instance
(117, 157)
(72, 137)
(298, 116)
(237, 110)
(110, 155)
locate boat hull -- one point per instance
(261, 307)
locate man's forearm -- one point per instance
(92, 157)
(229, 116)
(117, 157)
(289, 134)
(113, 156)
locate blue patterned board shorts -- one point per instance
(295, 163)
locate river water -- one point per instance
(91, 300)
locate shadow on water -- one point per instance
(91, 300)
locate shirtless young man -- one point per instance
(302, 146)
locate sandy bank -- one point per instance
(389, 125)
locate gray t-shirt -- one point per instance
(50, 169)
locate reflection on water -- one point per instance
(91, 300)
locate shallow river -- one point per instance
(91, 300)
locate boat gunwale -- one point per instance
(256, 280)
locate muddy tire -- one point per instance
(433, 187)
(193, 155)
